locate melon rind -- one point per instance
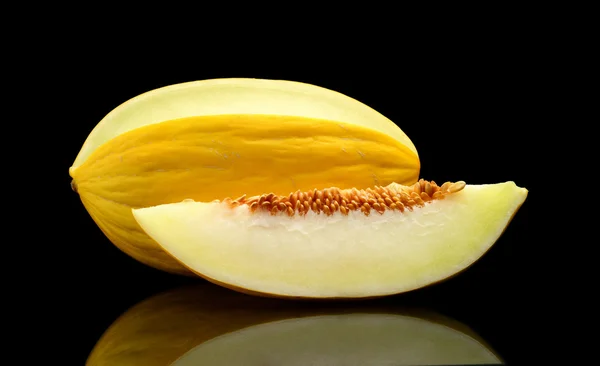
(236, 96)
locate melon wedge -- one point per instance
(427, 233)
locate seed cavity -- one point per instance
(328, 201)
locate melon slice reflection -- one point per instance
(208, 325)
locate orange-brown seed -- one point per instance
(331, 200)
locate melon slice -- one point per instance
(336, 243)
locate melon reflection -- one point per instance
(209, 325)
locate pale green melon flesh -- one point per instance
(337, 255)
(351, 339)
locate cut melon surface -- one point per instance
(338, 254)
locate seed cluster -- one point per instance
(328, 201)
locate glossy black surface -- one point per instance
(465, 125)
(214, 326)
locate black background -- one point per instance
(467, 110)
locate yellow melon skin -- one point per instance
(208, 325)
(222, 138)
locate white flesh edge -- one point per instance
(335, 256)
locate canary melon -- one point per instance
(336, 243)
(208, 325)
(210, 139)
